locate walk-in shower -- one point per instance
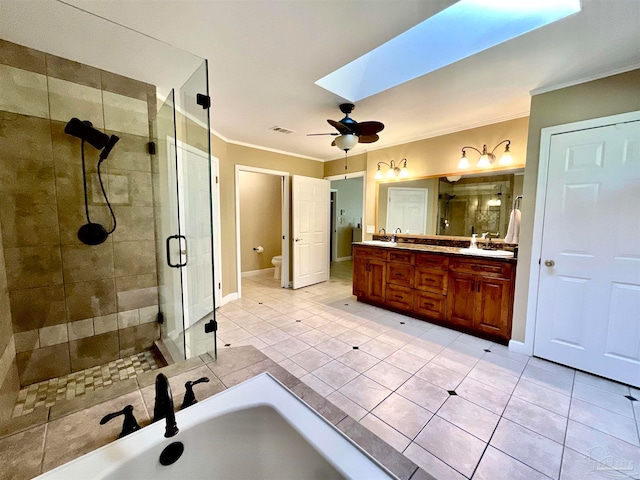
(74, 137)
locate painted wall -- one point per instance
(260, 219)
(231, 155)
(74, 306)
(349, 212)
(598, 98)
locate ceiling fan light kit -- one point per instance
(394, 171)
(350, 132)
(346, 142)
(486, 158)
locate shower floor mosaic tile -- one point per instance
(48, 392)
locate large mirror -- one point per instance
(450, 206)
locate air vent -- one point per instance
(281, 130)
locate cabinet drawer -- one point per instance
(481, 267)
(400, 274)
(399, 297)
(401, 257)
(369, 253)
(431, 280)
(431, 305)
(428, 260)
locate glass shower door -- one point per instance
(184, 219)
(167, 215)
(196, 221)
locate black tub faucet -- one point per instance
(164, 406)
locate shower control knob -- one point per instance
(549, 263)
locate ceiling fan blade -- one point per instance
(343, 129)
(370, 128)
(368, 138)
(315, 134)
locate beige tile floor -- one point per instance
(458, 406)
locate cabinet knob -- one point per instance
(549, 263)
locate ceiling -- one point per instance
(265, 55)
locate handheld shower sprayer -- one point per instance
(92, 233)
(84, 131)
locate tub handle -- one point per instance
(189, 396)
(129, 425)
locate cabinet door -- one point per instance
(377, 281)
(492, 310)
(461, 299)
(360, 277)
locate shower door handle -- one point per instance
(168, 248)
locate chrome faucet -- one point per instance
(395, 232)
(164, 406)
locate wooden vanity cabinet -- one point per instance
(480, 295)
(475, 294)
(369, 273)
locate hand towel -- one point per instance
(513, 232)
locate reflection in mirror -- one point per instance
(450, 206)
(410, 206)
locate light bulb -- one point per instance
(391, 173)
(484, 161)
(378, 175)
(506, 158)
(464, 161)
(404, 172)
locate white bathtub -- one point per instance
(255, 430)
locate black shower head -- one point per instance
(84, 130)
(113, 139)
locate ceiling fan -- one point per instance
(367, 132)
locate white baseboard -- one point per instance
(252, 273)
(343, 259)
(229, 298)
(520, 347)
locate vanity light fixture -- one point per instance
(394, 170)
(487, 158)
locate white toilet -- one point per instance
(277, 262)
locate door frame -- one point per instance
(333, 237)
(346, 176)
(286, 208)
(526, 347)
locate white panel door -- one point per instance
(311, 210)
(588, 306)
(407, 210)
(195, 224)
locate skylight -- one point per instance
(462, 30)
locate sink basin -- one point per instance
(487, 253)
(379, 243)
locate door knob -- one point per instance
(297, 239)
(549, 263)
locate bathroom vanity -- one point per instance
(471, 292)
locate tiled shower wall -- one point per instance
(74, 306)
